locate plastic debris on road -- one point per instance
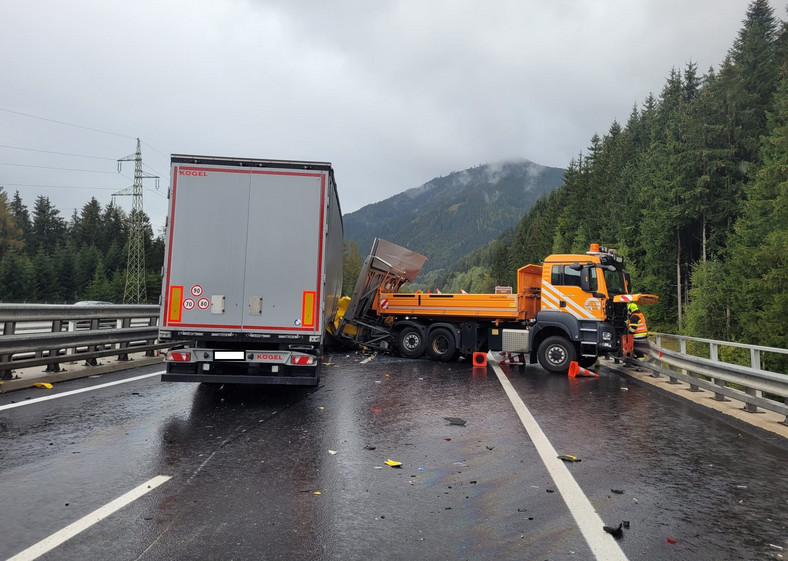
(569, 458)
(393, 464)
(671, 541)
(369, 447)
(455, 421)
(617, 491)
(332, 452)
(43, 385)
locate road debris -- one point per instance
(393, 463)
(616, 532)
(671, 541)
(369, 447)
(43, 385)
(332, 452)
(617, 491)
(456, 421)
(569, 458)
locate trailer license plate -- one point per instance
(228, 355)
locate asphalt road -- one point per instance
(295, 473)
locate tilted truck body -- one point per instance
(571, 308)
(252, 270)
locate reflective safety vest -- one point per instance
(637, 325)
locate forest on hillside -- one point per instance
(692, 190)
(45, 258)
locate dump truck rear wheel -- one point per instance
(410, 342)
(441, 345)
(555, 353)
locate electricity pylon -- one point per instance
(135, 265)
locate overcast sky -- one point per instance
(392, 92)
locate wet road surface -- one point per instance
(254, 476)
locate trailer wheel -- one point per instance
(555, 353)
(441, 345)
(410, 342)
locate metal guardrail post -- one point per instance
(153, 321)
(125, 322)
(57, 326)
(714, 354)
(683, 350)
(9, 328)
(93, 361)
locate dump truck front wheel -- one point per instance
(555, 353)
(410, 342)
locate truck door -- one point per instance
(208, 223)
(563, 292)
(282, 289)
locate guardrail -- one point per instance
(39, 334)
(751, 385)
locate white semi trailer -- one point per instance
(252, 269)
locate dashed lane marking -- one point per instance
(82, 390)
(48, 544)
(603, 545)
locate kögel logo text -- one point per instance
(194, 173)
(269, 357)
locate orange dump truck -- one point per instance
(573, 307)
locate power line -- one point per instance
(64, 123)
(159, 193)
(58, 153)
(55, 168)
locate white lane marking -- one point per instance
(603, 545)
(48, 544)
(72, 392)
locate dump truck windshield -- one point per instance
(615, 281)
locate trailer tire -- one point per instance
(555, 353)
(441, 345)
(410, 342)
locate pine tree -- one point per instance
(48, 227)
(758, 260)
(11, 237)
(351, 267)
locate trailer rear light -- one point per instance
(303, 360)
(179, 356)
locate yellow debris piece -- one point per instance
(317, 493)
(393, 464)
(43, 385)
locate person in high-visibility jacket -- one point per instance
(637, 326)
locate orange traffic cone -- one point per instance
(577, 370)
(480, 359)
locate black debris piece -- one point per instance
(616, 532)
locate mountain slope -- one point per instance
(451, 216)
